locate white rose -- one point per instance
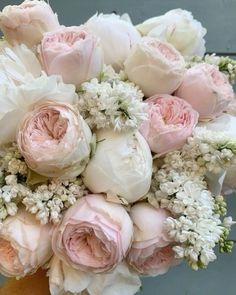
(122, 165)
(179, 28)
(117, 37)
(155, 66)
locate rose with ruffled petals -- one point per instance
(26, 23)
(207, 90)
(72, 52)
(170, 122)
(94, 235)
(55, 140)
(25, 245)
(155, 66)
(151, 252)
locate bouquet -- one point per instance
(117, 143)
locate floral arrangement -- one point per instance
(117, 143)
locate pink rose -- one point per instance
(170, 122)
(25, 245)
(151, 252)
(207, 90)
(94, 235)
(27, 22)
(55, 140)
(73, 53)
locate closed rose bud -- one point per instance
(155, 66)
(27, 22)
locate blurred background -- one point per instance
(218, 16)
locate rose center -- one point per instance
(165, 51)
(8, 255)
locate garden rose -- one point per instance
(170, 122)
(25, 245)
(54, 140)
(94, 235)
(206, 89)
(151, 252)
(72, 52)
(155, 66)
(121, 166)
(117, 37)
(179, 28)
(26, 23)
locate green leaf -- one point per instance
(34, 178)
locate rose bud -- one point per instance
(179, 28)
(25, 245)
(206, 89)
(155, 66)
(151, 252)
(94, 235)
(54, 140)
(121, 166)
(117, 37)
(72, 52)
(170, 122)
(27, 22)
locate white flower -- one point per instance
(179, 28)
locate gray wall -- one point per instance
(219, 17)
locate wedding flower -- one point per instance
(155, 66)
(26, 23)
(72, 52)
(94, 235)
(25, 245)
(171, 121)
(121, 166)
(179, 28)
(151, 253)
(206, 89)
(55, 140)
(117, 37)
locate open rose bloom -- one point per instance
(117, 144)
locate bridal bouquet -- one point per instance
(116, 142)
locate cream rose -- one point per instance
(117, 37)
(25, 245)
(179, 28)
(207, 90)
(55, 140)
(151, 252)
(72, 52)
(155, 66)
(94, 235)
(170, 122)
(121, 166)
(26, 23)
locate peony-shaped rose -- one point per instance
(121, 166)
(179, 28)
(117, 37)
(151, 252)
(72, 52)
(27, 22)
(206, 89)
(94, 235)
(54, 140)
(155, 66)
(170, 122)
(25, 245)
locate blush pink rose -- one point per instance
(26, 23)
(72, 52)
(170, 122)
(151, 252)
(25, 245)
(94, 235)
(207, 90)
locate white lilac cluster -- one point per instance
(111, 102)
(225, 64)
(179, 185)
